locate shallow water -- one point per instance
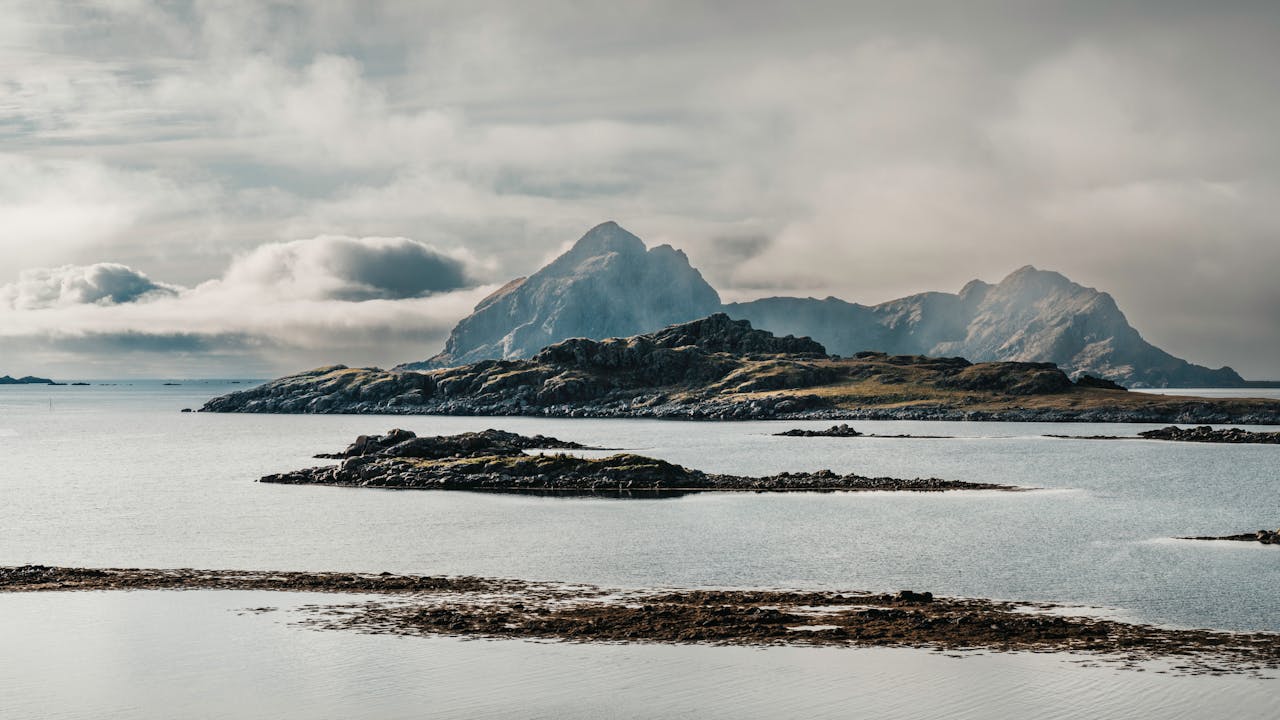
(201, 654)
(116, 476)
(1273, 393)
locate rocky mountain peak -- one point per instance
(607, 285)
(607, 237)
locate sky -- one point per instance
(232, 189)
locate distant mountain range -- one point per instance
(610, 285)
(28, 380)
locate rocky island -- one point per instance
(716, 368)
(504, 608)
(1206, 434)
(496, 461)
(1266, 537)
(26, 380)
(841, 430)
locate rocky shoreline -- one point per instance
(496, 461)
(721, 369)
(1266, 537)
(1206, 434)
(793, 407)
(1203, 434)
(498, 608)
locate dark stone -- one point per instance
(1090, 381)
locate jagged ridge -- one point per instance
(609, 285)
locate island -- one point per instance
(27, 380)
(722, 369)
(477, 607)
(497, 461)
(1266, 537)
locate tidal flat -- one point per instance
(513, 609)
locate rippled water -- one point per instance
(116, 476)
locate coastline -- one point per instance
(516, 609)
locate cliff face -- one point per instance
(607, 285)
(610, 285)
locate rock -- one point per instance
(721, 369)
(1207, 434)
(1097, 382)
(495, 461)
(842, 430)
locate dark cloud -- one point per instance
(350, 269)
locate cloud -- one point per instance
(98, 284)
(352, 269)
(277, 308)
(874, 149)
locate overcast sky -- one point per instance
(235, 188)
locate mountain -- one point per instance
(1031, 315)
(607, 285)
(610, 285)
(28, 380)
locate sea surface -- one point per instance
(115, 476)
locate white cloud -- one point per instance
(363, 301)
(98, 284)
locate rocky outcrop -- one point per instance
(842, 430)
(406, 444)
(607, 285)
(477, 607)
(676, 366)
(722, 369)
(1206, 434)
(1266, 537)
(495, 461)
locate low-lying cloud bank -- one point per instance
(362, 301)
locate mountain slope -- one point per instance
(1032, 316)
(607, 285)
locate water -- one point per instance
(1273, 393)
(116, 476)
(143, 655)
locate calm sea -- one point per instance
(117, 476)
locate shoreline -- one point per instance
(515, 609)
(728, 412)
